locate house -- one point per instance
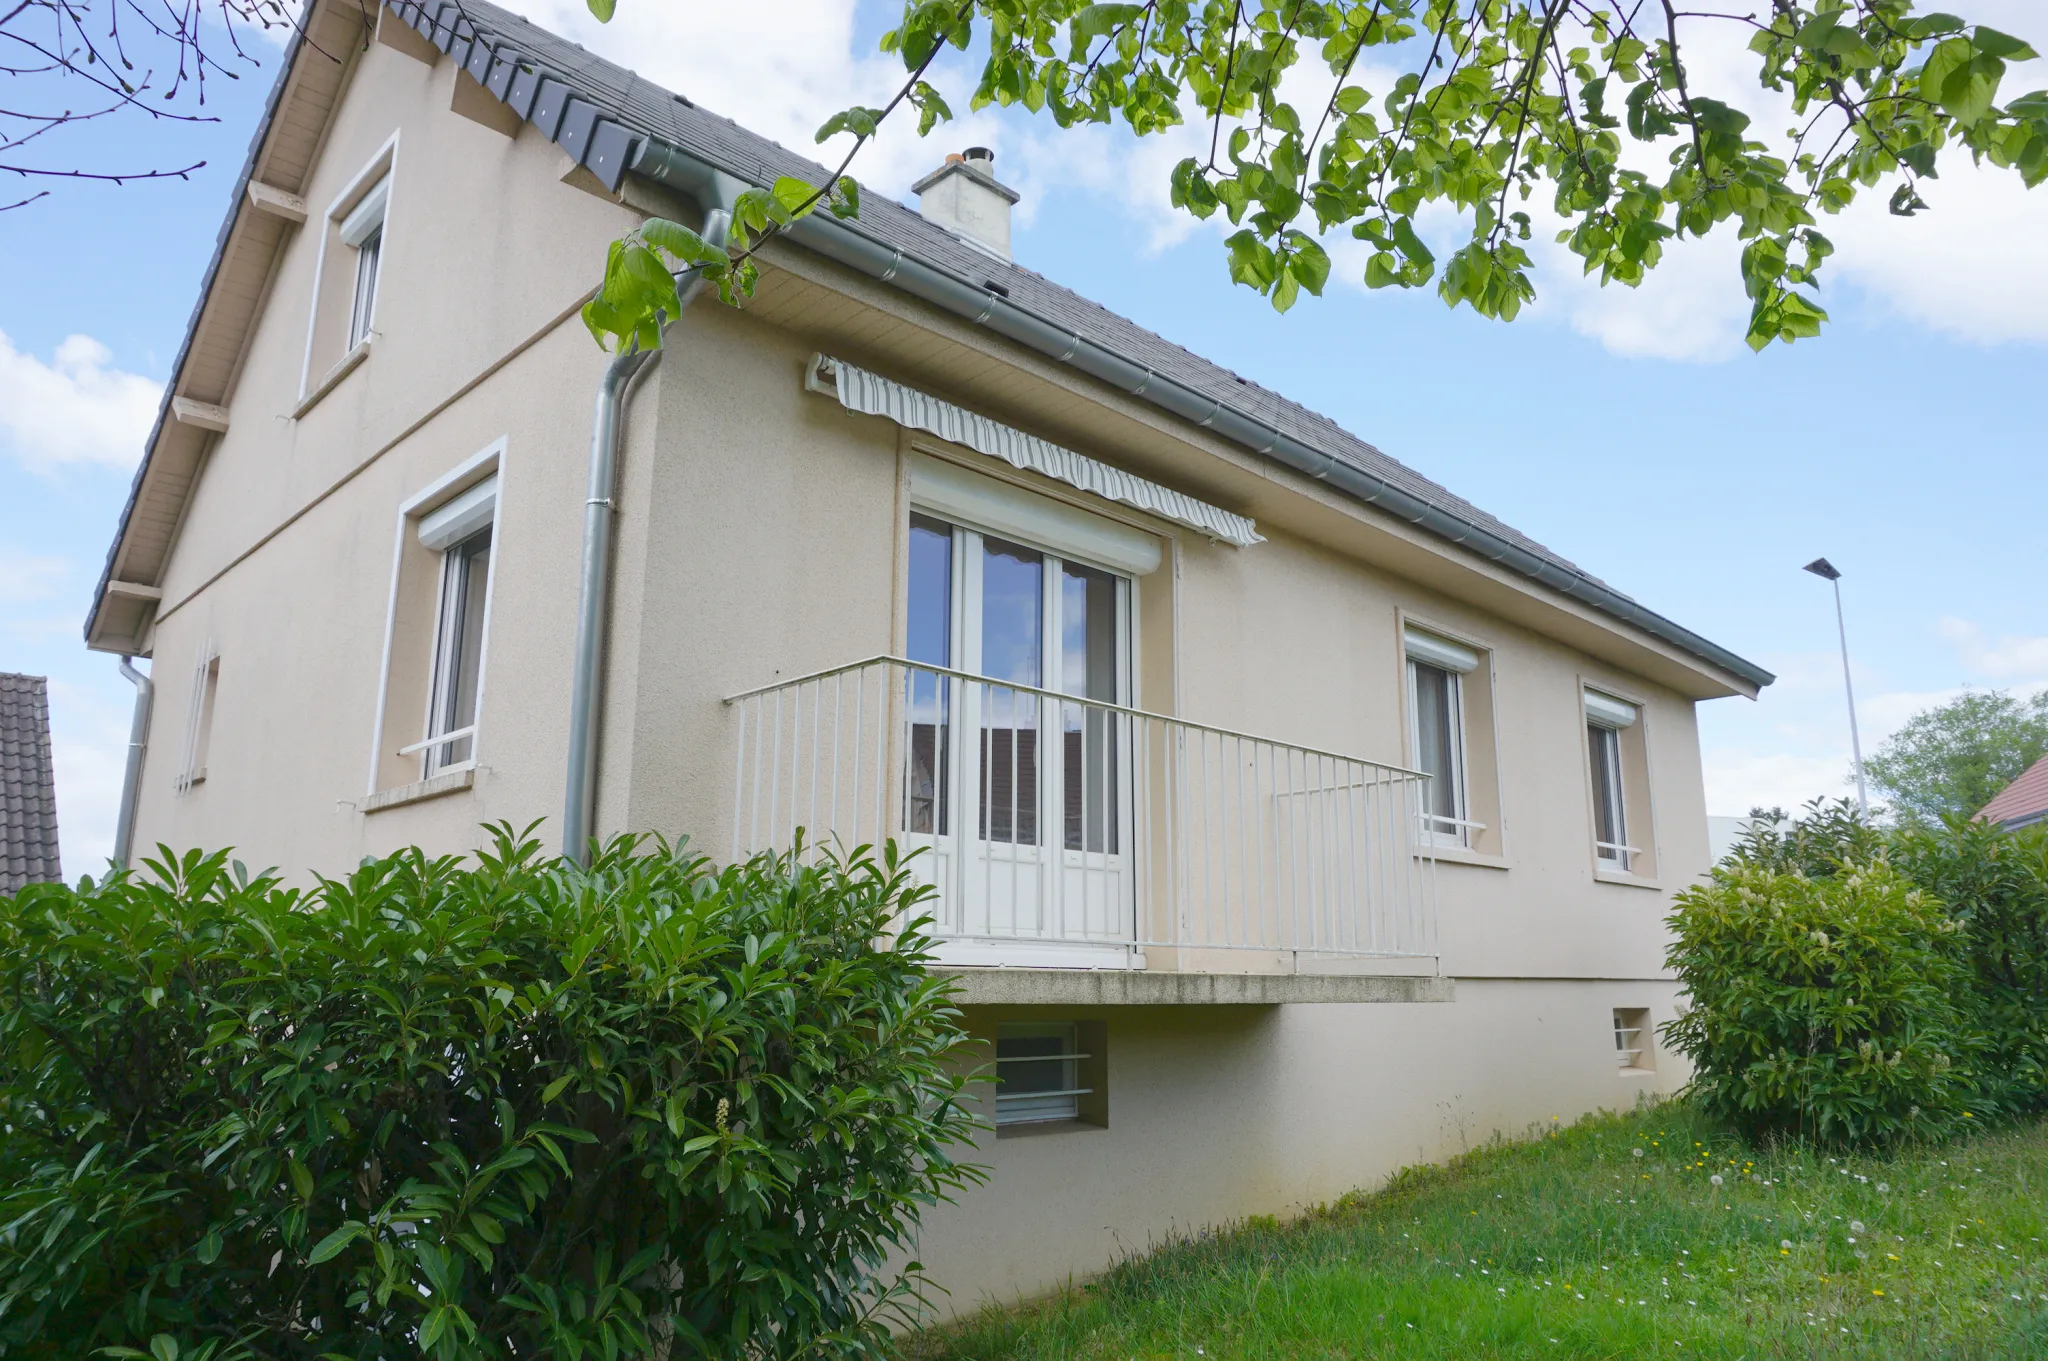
(2022, 803)
(28, 787)
(1292, 819)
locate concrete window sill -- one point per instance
(452, 782)
(1461, 855)
(1624, 880)
(1042, 1127)
(343, 367)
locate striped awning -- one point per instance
(874, 395)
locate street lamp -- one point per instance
(1824, 569)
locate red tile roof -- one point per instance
(2024, 800)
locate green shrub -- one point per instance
(1995, 885)
(519, 1109)
(1822, 1008)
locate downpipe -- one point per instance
(593, 602)
(131, 777)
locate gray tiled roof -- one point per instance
(28, 790)
(646, 108)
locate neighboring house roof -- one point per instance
(609, 118)
(28, 788)
(2023, 802)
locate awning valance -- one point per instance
(874, 395)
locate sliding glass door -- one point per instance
(1019, 795)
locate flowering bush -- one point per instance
(515, 1109)
(1828, 1008)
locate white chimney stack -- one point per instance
(965, 198)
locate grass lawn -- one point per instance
(1651, 1235)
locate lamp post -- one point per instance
(1826, 570)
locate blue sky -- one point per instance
(1629, 431)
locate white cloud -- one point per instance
(27, 576)
(783, 88)
(74, 409)
(1793, 743)
(2002, 658)
(1971, 267)
(1691, 307)
(89, 750)
(1739, 780)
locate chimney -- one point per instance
(965, 198)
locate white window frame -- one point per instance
(1456, 661)
(470, 515)
(361, 209)
(446, 506)
(363, 231)
(978, 508)
(1632, 1043)
(199, 715)
(1061, 1103)
(1606, 718)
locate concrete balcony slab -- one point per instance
(1141, 988)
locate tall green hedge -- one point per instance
(1830, 943)
(514, 1108)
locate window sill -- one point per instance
(1036, 1128)
(1463, 855)
(452, 782)
(1638, 1072)
(343, 367)
(1624, 880)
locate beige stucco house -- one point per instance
(1291, 818)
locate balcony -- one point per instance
(1067, 833)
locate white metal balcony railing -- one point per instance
(1061, 830)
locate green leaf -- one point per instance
(1308, 262)
(859, 120)
(793, 194)
(302, 1178)
(333, 1244)
(209, 1247)
(1963, 81)
(845, 198)
(602, 9)
(1994, 43)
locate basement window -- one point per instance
(1039, 1078)
(1632, 1046)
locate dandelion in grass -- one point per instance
(1855, 1226)
(1716, 1179)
